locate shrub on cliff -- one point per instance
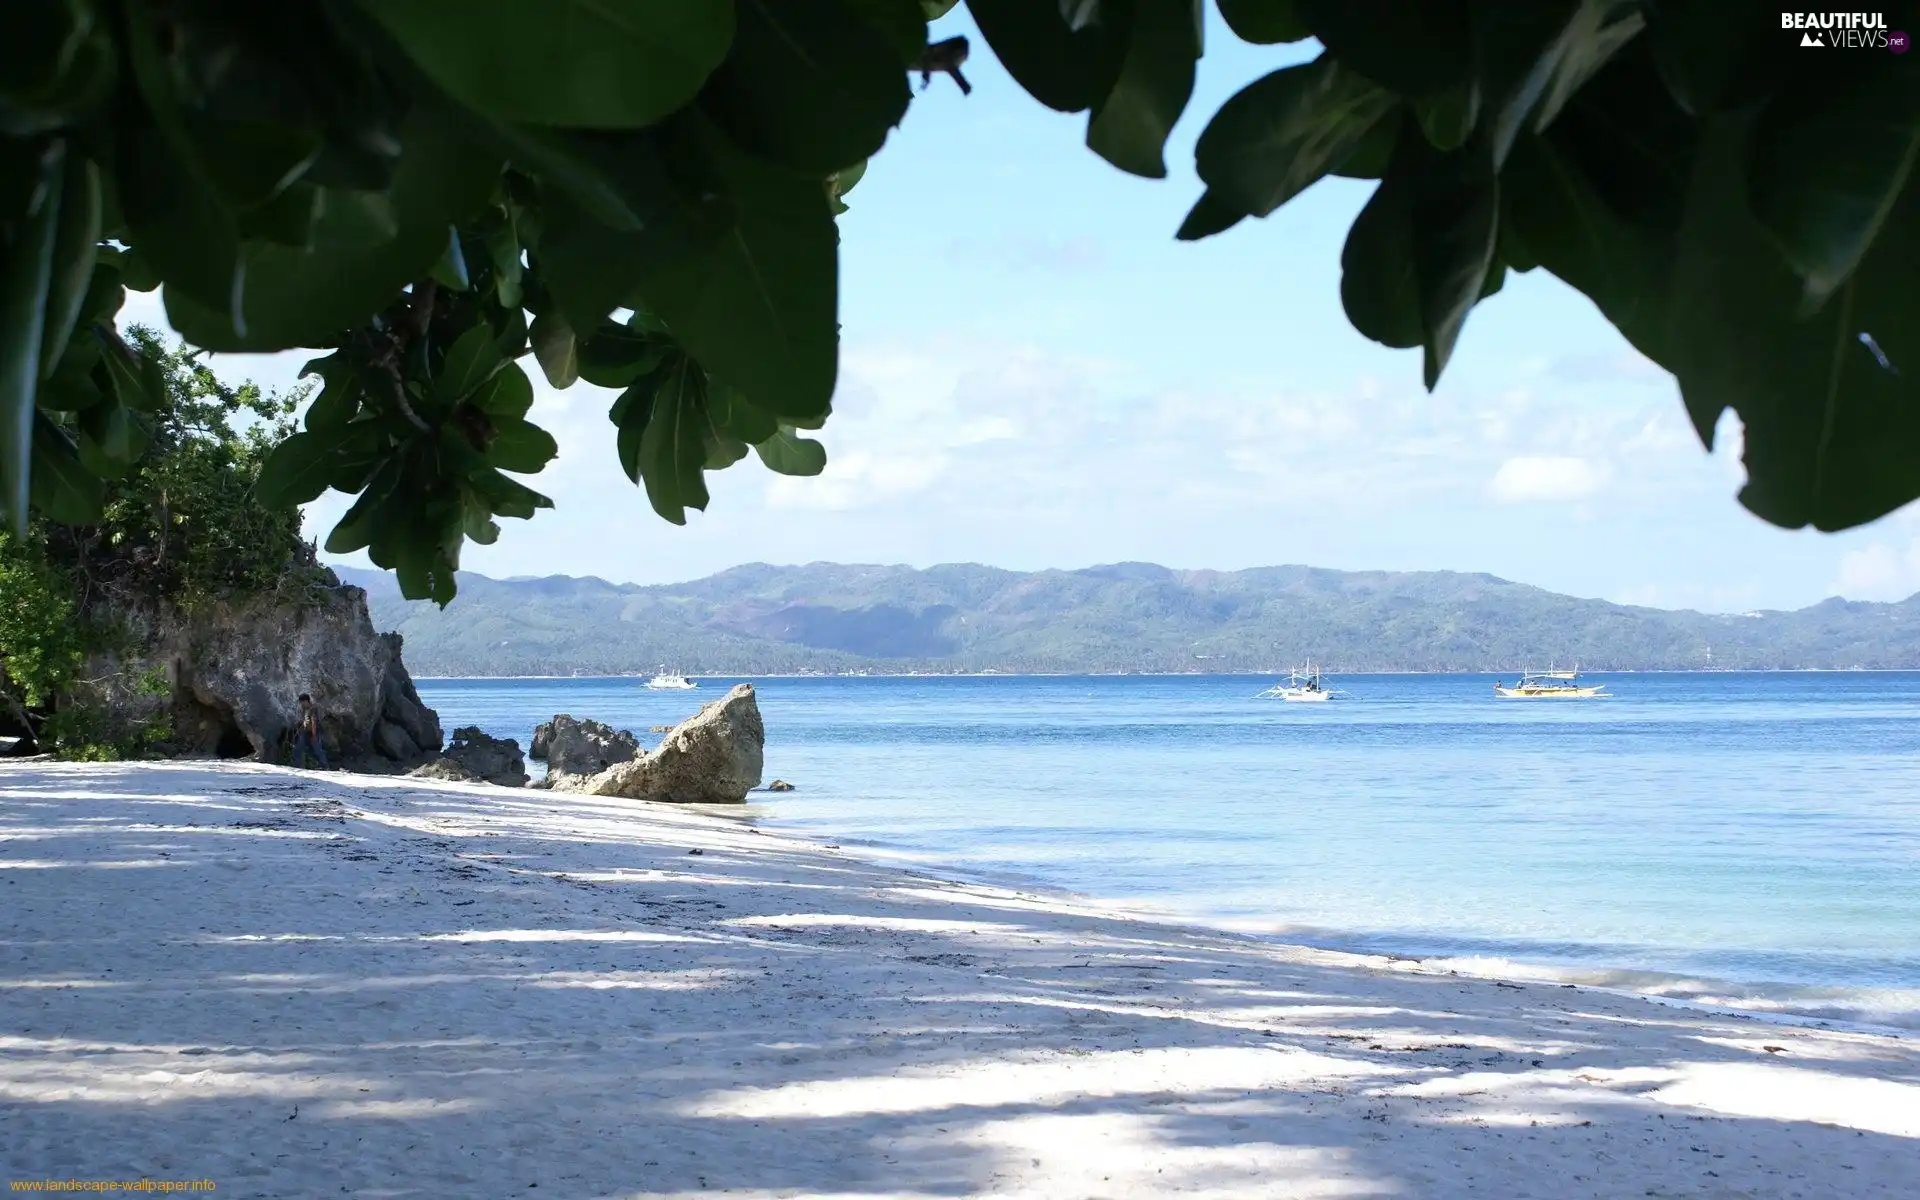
(181, 526)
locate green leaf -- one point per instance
(57, 64)
(519, 445)
(1065, 68)
(602, 64)
(555, 348)
(471, 361)
(130, 377)
(1456, 222)
(1832, 436)
(1130, 124)
(1372, 153)
(1708, 63)
(249, 162)
(1447, 117)
(809, 84)
(355, 530)
(178, 221)
(1534, 57)
(508, 394)
(841, 182)
(503, 247)
(1284, 132)
(450, 270)
(673, 452)
(298, 470)
(630, 414)
(26, 273)
(301, 298)
(63, 489)
(111, 440)
(1413, 47)
(1208, 216)
(789, 454)
(616, 355)
(347, 218)
(76, 246)
(1376, 268)
(734, 416)
(508, 497)
(1829, 160)
(903, 22)
(759, 309)
(477, 518)
(1552, 208)
(1264, 22)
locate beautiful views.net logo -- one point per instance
(1846, 30)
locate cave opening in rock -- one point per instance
(233, 743)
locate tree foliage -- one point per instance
(182, 528)
(642, 194)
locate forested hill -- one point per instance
(1130, 617)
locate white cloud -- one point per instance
(1880, 572)
(1528, 478)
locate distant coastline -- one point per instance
(829, 619)
(750, 675)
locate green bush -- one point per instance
(182, 527)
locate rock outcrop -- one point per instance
(713, 757)
(575, 747)
(473, 756)
(230, 678)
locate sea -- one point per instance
(1731, 840)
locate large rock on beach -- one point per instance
(713, 757)
(228, 677)
(572, 746)
(472, 756)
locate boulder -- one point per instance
(474, 755)
(576, 747)
(713, 757)
(779, 785)
(229, 677)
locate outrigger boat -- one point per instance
(1551, 685)
(1304, 685)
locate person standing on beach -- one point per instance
(306, 734)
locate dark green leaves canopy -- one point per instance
(642, 193)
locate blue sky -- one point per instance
(1035, 374)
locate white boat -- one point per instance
(1304, 685)
(664, 682)
(1551, 685)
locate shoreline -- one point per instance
(299, 983)
(993, 674)
(1579, 974)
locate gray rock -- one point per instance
(779, 785)
(576, 747)
(542, 734)
(713, 757)
(232, 675)
(474, 755)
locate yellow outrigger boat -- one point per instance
(1551, 685)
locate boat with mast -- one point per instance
(1551, 684)
(1304, 685)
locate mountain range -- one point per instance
(1127, 617)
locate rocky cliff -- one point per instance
(231, 678)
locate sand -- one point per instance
(325, 985)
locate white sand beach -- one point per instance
(322, 985)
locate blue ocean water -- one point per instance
(1749, 839)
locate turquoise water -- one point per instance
(1751, 839)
